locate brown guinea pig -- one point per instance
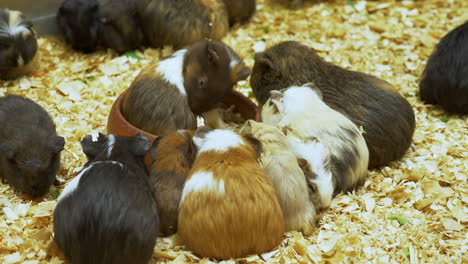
(371, 103)
(229, 207)
(240, 11)
(166, 96)
(173, 156)
(18, 45)
(182, 22)
(289, 181)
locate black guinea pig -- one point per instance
(445, 79)
(108, 213)
(240, 11)
(29, 146)
(18, 45)
(167, 95)
(371, 103)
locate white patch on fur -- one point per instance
(218, 140)
(316, 154)
(202, 180)
(171, 70)
(296, 99)
(110, 145)
(20, 61)
(234, 60)
(12, 28)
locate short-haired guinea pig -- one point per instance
(371, 103)
(445, 78)
(173, 156)
(18, 45)
(332, 145)
(229, 207)
(289, 181)
(167, 95)
(240, 11)
(108, 213)
(29, 146)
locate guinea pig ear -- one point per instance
(154, 147)
(314, 88)
(213, 56)
(263, 59)
(256, 144)
(7, 149)
(141, 145)
(56, 144)
(200, 135)
(92, 147)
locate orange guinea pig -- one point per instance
(228, 207)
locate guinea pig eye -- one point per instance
(202, 83)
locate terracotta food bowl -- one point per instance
(118, 125)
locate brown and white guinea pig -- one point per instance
(240, 11)
(331, 144)
(229, 207)
(108, 213)
(183, 22)
(445, 79)
(289, 181)
(29, 146)
(167, 95)
(173, 156)
(371, 103)
(18, 45)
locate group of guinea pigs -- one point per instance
(226, 193)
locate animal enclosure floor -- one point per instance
(413, 211)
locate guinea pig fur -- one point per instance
(108, 213)
(29, 146)
(173, 156)
(289, 181)
(306, 119)
(445, 79)
(183, 22)
(229, 207)
(18, 45)
(240, 11)
(167, 95)
(371, 103)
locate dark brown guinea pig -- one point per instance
(240, 11)
(29, 146)
(168, 94)
(173, 156)
(18, 45)
(183, 22)
(445, 79)
(386, 117)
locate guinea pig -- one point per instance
(29, 146)
(240, 11)
(183, 22)
(78, 20)
(228, 207)
(167, 96)
(173, 156)
(281, 166)
(18, 45)
(445, 78)
(108, 213)
(331, 144)
(371, 103)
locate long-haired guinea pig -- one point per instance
(289, 181)
(371, 103)
(108, 213)
(29, 146)
(18, 45)
(168, 94)
(229, 207)
(240, 11)
(305, 118)
(183, 22)
(445, 79)
(173, 156)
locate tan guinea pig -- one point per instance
(229, 207)
(289, 181)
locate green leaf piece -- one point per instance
(401, 220)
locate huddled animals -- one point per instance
(226, 193)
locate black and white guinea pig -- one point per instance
(29, 146)
(167, 95)
(445, 79)
(108, 213)
(18, 45)
(240, 11)
(332, 145)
